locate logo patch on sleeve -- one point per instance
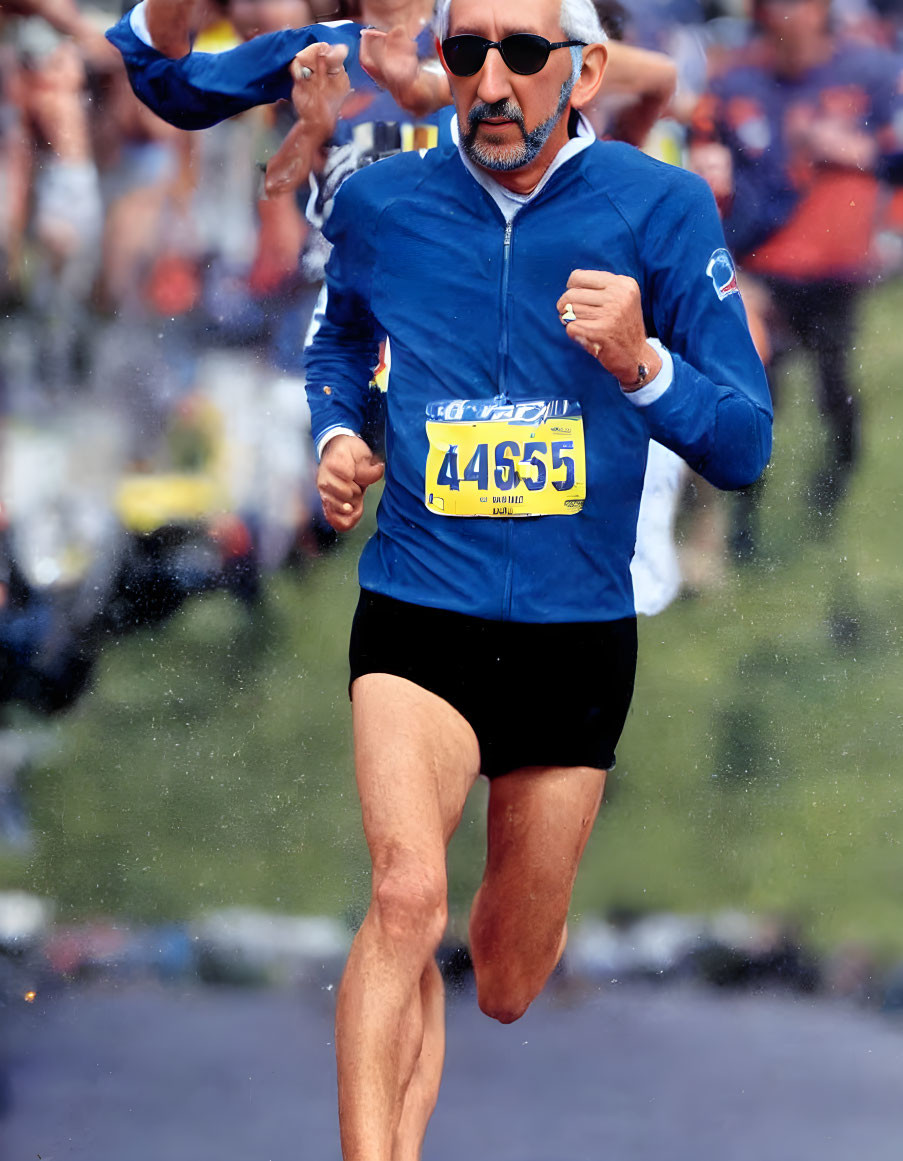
(723, 274)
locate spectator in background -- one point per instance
(638, 87)
(280, 229)
(793, 136)
(57, 184)
(15, 168)
(144, 166)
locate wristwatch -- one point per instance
(642, 374)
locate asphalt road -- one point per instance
(146, 1073)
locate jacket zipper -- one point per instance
(503, 329)
(503, 397)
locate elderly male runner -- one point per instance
(552, 302)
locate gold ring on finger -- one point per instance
(568, 316)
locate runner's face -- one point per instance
(509, 121)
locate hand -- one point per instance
(392, 61)
(389, 58)
(347, 469)
(608, 322)
(321, 85)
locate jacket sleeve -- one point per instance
(203, 88)
(344, 351)
(716, 413)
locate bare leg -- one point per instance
(416, 760)
(422, 1089)
(540, 820)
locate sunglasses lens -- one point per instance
(464, 55)
(522, 52)
(525, 53)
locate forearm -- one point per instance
(341, 358)
(338, 372)
(721, 432)
(339, 362)
(717, 413)
(643, 84)
(641, 73)
(63, 15)
(299, 155)
(634, 122)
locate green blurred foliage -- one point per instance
(211, 763)
(759, 765)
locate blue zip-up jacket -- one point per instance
(422, 254)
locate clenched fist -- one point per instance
(347, 469)
(603, 313)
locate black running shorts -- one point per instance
(535, 695)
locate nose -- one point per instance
(495, 79)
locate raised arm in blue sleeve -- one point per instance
(717, 412)
(344, 352)
(203, 88)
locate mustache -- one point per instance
(508, 109)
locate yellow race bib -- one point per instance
(491, 458)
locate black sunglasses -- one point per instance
(522, 52)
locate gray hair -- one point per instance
(579, 21)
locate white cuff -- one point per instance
(329, 434)
(643, 396)
(138, 21)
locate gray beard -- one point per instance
(514, 156)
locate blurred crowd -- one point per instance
(153, 428)
(153, 425)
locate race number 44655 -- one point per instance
(496, 467)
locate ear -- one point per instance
(595, 58)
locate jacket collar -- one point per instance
(509, 203)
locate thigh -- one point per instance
(416, 759)
(539, 822)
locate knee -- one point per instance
(505, 987)
(411, 904)
(508, 980)
(501, 1003)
